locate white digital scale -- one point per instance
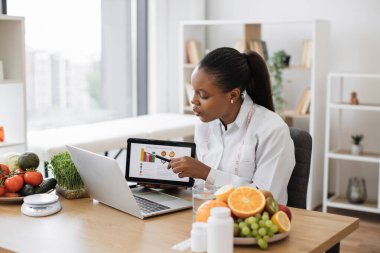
(41, 205)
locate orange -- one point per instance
(246, 201)
(223, 192)
(282, 221)
(204, 210)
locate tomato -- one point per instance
(14, 184)
(4, 170)
(2, 190)
(33, 178)
(20, 172)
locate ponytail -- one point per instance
(259, 87)
(246, 71)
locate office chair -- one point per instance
(297, 186)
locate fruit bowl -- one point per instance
(11, 199)
(253, 241)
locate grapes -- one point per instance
(262, 231)
(262, 243)
(245, 231)
(242, 224)
(259, 227)
(268, 223)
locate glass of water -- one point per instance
(202, 192)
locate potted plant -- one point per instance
(276, 64)
(69, 182)
(356, 147)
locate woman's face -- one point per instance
(209, 101)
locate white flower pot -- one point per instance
(356, 149)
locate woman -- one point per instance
(241, 140)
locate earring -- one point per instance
(232, 101)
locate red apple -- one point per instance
(286, 210)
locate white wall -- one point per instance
(163, 48)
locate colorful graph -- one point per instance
(147, 157)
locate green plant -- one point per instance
(65, 171)
(277, 62)
(357, 138)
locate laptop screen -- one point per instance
(147, 161)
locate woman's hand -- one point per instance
(189, 167)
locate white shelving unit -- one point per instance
(336, 150)
(12, 86)
(278, 35)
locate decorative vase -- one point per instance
(356, 190)
(72, 194)
(356, 149)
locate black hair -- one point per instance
(246, 71)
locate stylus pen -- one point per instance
(161, 157)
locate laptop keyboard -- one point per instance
(148, 206)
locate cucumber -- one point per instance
(46, 185)
(27, 190)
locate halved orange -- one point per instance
(204, 210)
(223, 192)
(246, 201)
(282, 221)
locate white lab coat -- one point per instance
(260, 153)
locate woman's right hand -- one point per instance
(189, 167)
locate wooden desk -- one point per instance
(84, 225)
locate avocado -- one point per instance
(28, 160)
(27, 190)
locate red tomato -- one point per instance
(2, 190)
(33, 178)
(4, 170)
(14, 184)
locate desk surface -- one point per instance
(84, 225)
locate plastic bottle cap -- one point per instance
(200, 226)
(220, 212)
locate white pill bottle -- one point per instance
(220, 232)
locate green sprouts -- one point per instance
(65, 172)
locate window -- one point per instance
(63, 61)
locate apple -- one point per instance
(266, 193)
(286, 210)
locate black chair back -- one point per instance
(297, 186)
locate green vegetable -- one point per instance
(27, 190)
(46, 185)
(65, 171)
(11, 160)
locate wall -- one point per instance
(163, 47)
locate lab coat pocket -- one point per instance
(247, 162)
(247, 153)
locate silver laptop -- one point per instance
(106, 183)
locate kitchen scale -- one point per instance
(41, 205)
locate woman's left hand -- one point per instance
(189, 167)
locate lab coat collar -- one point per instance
(241, 117)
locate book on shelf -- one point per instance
(303, 105)
(193, 51)
(189, 92)
(306, 53)
(239, 46)
(260, 47)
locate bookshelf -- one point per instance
(339, 160)
(12, 85)
(290, 36)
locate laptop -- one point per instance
(106, 183)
